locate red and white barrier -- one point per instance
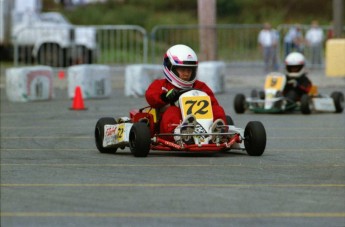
(31, 83)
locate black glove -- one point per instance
(171, 96)
(293, 83)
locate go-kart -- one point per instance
(271, 100)
(140, 131)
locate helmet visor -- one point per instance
(186, 73)
(294, 68)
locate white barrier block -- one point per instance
(32, 83)
(94, 80)
(213, 74)
(138, 77)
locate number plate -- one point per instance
(199, 106)
(114, 134)
(275, 82)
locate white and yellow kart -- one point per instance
(271, 100)
(140, 131)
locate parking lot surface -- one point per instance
(53, 175)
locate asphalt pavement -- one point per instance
(53, 175)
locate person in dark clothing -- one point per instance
(297, 82)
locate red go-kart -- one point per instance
(140, 131)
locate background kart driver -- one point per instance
(180, 70)
(297, 82)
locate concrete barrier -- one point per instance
(213, 74)
(139, 76)
(31, 83)
(94, 80)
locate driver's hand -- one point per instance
(171, 96)
(292, 83)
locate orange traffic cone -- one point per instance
(78, 102)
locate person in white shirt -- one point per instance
(314, 38)
(268, 41)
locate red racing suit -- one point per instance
(172, 114)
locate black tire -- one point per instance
(338, 99)
(255, 138)
(229, 120)
(292, 96)
(51, 55)
(262, 94)
(306, 104)
(140, 139)
(99, 134)
(83, 56)
(254, 93)
(240, 103)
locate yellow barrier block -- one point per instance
(335, 58)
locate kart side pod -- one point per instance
(146, 115)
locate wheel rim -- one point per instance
(248, 137)
(132, 138)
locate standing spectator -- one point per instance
(314, 38)
(293, 40)
(268, 41)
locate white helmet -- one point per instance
(180, 56)
(295, 64)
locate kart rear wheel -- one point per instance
(262, 94)
(229, 120)
(254, 93)
(240, 103)
(338, 99)
(99, 134)
(140, 139)
(306, 104)
(255, 138)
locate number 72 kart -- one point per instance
(271, 99)
(196, 133)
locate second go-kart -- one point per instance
(271, 100)
(140, 131)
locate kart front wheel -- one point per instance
(306, 104)
(255, 138)
(99, 134)
(140, 139)
(338, 99)
(240, 103)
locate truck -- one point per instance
(29, 36)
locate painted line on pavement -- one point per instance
(176, 215)
(3, 185)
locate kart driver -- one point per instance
(297, 82)
(180, 70)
